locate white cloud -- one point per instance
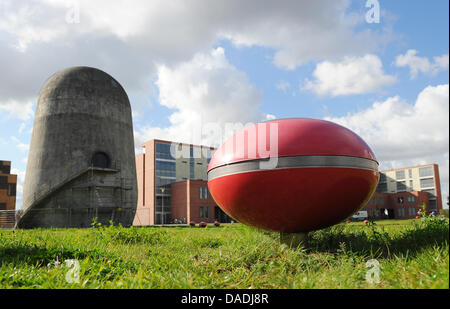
(206, 92)
(441, 62)
(19, 144)
(128, 40)
(18, 109)
(418, 64)
(22, 127)
(353, 75)
(283, 85)
(401, 134)
(19, 190)
(270, 117)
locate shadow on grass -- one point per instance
(375, 242)
(40, 256)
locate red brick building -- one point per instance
(191, 201)
(8, 184)
(401, 205)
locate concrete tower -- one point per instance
(81, 162)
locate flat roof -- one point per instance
(406, 168)
(172, 142)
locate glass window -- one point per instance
(204, 212)
(411, 184)
(11, 189)
(427, 183)
(400, 174)
(432, 204)
(401, 212)
(382, 177)
(165, 172)
(191, 163)
(401, 186)
(411, 198)
(426, 171)
(400, 199)
(382, 187)
(203, 192)
(6, 169)
(3, 182)
(158, 219)
(163, 151)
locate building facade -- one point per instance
(417, 178)
(191, 201)
(164, 168)
(8, 185)
(402, 192)
(402, 205)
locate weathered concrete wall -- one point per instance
(80, 111)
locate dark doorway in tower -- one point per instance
(100, 159)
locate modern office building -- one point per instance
(8, 185)
(172, 184)
(402, 192)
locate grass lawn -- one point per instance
(411, 254)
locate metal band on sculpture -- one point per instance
(294, 162)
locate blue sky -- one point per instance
(228, 62)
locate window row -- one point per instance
(164, 168)
(376, 200)
(402, 174)
(410, 199)
(411, 211)
(427, 183)
(426, 171)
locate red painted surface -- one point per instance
(295, 137)
(294, 200)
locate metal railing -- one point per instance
(74, 172)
